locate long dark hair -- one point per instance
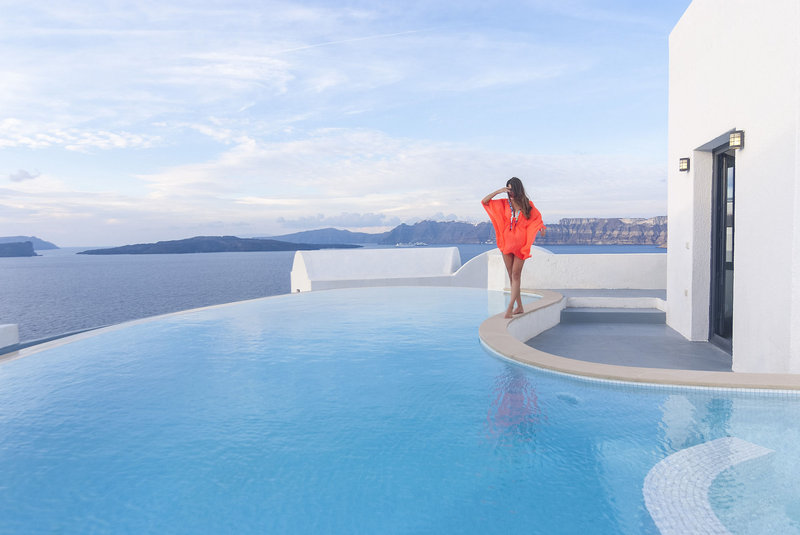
(518, 192)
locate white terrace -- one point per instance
(734, 201)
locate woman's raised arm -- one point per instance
(490, 196)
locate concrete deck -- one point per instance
(600, 335)
(637, 353)
(631, 344)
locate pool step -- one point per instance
(612, 315)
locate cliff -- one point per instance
(606, 231)
(213, 244)
(17, 249)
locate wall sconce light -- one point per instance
(736, 140)
(683, 165)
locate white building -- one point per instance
(735, 66)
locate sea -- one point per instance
(62, 292)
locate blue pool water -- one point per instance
(62, 292)
(357, 411)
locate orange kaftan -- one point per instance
(513, 239)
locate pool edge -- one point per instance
(94, 331)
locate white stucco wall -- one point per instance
(417, 266)
(474, 273)
(545, 270)
(9, 335)
(734, 65)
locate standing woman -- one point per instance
(516, 223)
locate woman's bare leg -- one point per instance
(509, 261)
(514, 267)
(515, 275)
(516, 283)
(519, 309)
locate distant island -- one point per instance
(214, 244)
(431, 232)
(17, 249)
(38, 244)
(568, 231)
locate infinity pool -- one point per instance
(367, 411)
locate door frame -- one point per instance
(718, 239)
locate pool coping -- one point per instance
(496, 333)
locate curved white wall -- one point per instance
(417, 266)
(474, 273)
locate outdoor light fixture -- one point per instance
(683, 165)
(736, 140)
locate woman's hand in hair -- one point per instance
(492, 195)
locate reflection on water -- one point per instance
(688, 421)
(514, 412)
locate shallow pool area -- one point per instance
(371, 410)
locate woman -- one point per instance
(516, 222)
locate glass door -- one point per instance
(721, 328)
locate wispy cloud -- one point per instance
(343, 220)
(334, 171)
(135, 64)
(354, 40)
(37, 135)
(263, 190)
(21, 175)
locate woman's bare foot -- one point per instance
(508, 315)
(518, 310)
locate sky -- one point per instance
(137, 121)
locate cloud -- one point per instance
(16, 132)
(358, 171)
(347, 220)
(102, 79)
(22, 174)
(354, 39)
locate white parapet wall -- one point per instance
(418, 266)
(441, 266)
(583, 271)
(9, 335)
